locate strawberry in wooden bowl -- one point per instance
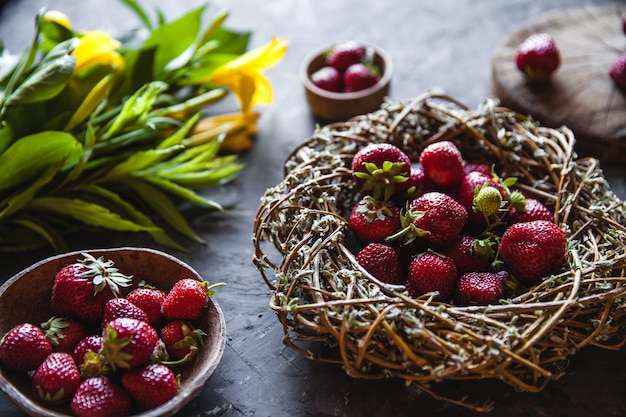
(508, 253)
(117, 350)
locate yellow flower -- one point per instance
(57, 17)
(237, 128)
(244, 75)
(97, 48)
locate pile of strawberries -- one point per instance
(105, 354)
(448, 229)
(349, 67)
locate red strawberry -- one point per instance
(82, 289)
(151, 385)
(99, 397)
(128, 343)
(381, 261)
(24, 347)
(479, 288)
(121, 307)
(468, 187)
(415, 186)
(328, 78)
(530, 250)
(431, 272)
(149, 300)
(442, 163)
(537, 57)
(434, 218)
(56, 379)
(359, 76)
(374, 220)
(186, 300)
(64, 333)
(534, 210)
(378, 168)
(468, 255)
(617, 71)
(478, 167)
(181, 339)
(91, 343)
(344, 54)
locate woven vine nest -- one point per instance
(333, 310)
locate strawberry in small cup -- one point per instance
(538, 57)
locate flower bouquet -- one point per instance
(99, 133)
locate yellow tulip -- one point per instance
(97, 48)
(244, 75)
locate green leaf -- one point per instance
(158, 234)
(183, 193)
(95, 96)
(45, 82)
(137, 106)
(6, 136)
(42, 229)
(86, 212)
(31, 155)
(162, 204)
(172, 39)
(138, 161)
(139, 11)
(22, 196)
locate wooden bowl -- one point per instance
(329, 106)
(25, 298)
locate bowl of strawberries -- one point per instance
(346, 79)
(129, 330)
(435, 243)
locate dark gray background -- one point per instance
(443, 45)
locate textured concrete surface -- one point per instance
(443, 45)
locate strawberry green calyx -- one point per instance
(488, 200)
(382, 180)
(374, 209)
(103, 274)
(113, 349)
(410, 231)
(94, 365)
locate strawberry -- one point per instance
(378, 168)
(121, 307)
(328, 78)
(344, 54)
(186, 300)
(381, 261)
(479, 288)
(99, 397)
(82, 289)
(56, 379)
(468, 254)
(374, 220)
(181, 339)
(434, 218)
(64, 333)
(617, 71)
(24, 347)
(415, 186)
(477, 167)
(537, 57)
(532, 249)
(442, 163)
(468, 187)
(151, 385)
(149, 300)
(359, 76)
(91, 343)
(128, 343)
(432, 272)
(534, 210)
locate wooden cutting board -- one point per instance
(581, 95)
